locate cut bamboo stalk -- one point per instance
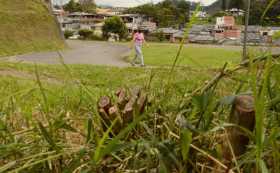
(122, 100)
(104, 103)
(114, 113)
(243, 115)
(141, 102)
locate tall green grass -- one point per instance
(50, 123)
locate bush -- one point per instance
(114, 25)
(160, 36)
(276, 35)
(85, 33)
(96, 37)
(156, 37)
(68, 33)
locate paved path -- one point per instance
(82, 52)
(96, 53)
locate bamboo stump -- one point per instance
(243, 115)
(128, 104)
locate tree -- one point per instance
(88, 6)
(166, 13)
(85, 33)
(68, 33)
(239, 4)
(114, 25)
(72, 6)
(271, 17)
(256, 11)
(183, 12)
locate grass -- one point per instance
(196, 56)
(27, 26)
(49, 119)
(46, 121)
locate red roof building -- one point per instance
(226, 28)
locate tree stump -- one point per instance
(129, 103)
(104, 103)
(122, 99)
(113, 114)
(243, 115)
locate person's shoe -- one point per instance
(132, 63)
(142, 65)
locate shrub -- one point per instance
(156, 37)
(96, 37)
(114, 25)
(85, 33)
(68, 33)
(276, 35)
(160, 36)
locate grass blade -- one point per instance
(186, 139)
(47, 136)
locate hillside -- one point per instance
(214, 8)
(27, 26)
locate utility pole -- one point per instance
(247, 16)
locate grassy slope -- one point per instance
(26, 26)
(202, 56)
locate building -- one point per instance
(201, 34)
(199, 14)
(168, 33)
(137, 21)
(84, 20)
(178, 36)
(236, 12)
(253, 35)
(59, 14)
(111, 11)
(225, 28)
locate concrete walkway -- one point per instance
(82, 52)
(99, 53)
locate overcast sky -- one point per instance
(131, 3)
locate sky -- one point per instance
(131, 3)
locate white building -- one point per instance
(236, 12)
(136, 21)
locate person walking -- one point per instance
(138, 41)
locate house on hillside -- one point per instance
(253, 35)
(168, 32)
(113, 11)
(199, 14)
(201, 34)
(259, 35)
(68, 24)
(137, 21)
(268, 32)
(85, 20)
(60, 15)
(178, 36)
(236, 12)
(226, 28)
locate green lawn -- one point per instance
(59, 109)
(60, 83)
(199, 56)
